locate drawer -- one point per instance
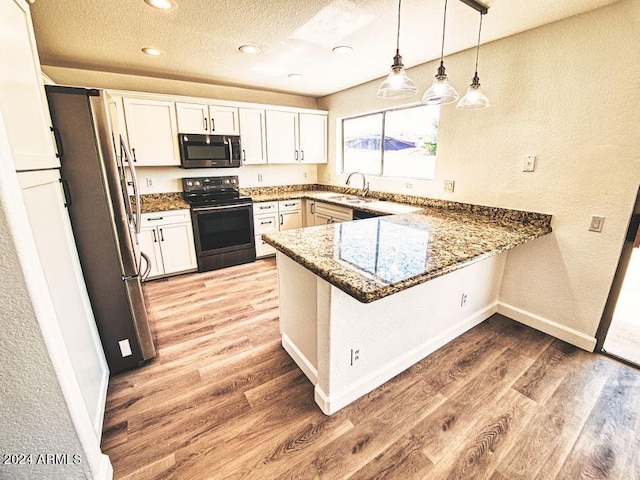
(266, 223)
(290, 205)
(166, 217)
(263, 249)
(265, 207)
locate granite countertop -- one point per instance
(160, 202)
(373, 258)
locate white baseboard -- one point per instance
(305, 365)
(330, 404)
(547, 326)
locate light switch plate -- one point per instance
(125, 347)
(597, 222)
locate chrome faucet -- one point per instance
(365, 184)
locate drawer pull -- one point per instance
(266, 208)
(266, 223)
(155, 219)
(289, 204)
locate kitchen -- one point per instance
(545, 86)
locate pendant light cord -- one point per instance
(398, 35)
(478, 46)
(444, 26)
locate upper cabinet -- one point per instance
(152, 131)
(201, 118)
(253, 135)
(22, 97)
(296, 137)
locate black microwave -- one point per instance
(209, 151)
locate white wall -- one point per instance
(568, 93)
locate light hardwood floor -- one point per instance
(224, 401)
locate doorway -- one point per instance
(619, 332)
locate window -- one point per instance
(410, 141)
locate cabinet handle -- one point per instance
(296, 155)
(133, 150)
(213, 125)
(155, 219)
(161, 235)
(266, 223)
(155, 239)
(244, 155)
(265, 208)
(313, 208)
(206, 125)
(281, 219)
(289, 204)
(302, 155)
(58, 140)
(65, 192)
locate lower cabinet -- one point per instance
(167, 239)
(269, 217)
(325, 213)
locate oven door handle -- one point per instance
(220, 207)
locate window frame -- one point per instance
(342, 170)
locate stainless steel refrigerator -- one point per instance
(96, 171)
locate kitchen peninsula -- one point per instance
(362, 301)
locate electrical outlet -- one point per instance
(305, 174)
(149, 182)
(597, 222)
(449, 186)
(125, 347)
(408, 186)
(259, 177)
(355, 354)
(529, 163)
(463, 300)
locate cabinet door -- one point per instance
(148, 240)
(178, 248)
(223, 120)
(282, 130)
(56, 248)
(192, 118)
(291, 220)
(152, 131)
(22, 101)
(313, 138)
(322, 219)
(252, 136)
(309, 213)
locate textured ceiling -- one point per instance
(200, 38)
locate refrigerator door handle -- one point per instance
(147, 270)
(134, 179)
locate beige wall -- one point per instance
(119, 81)
(567, 93)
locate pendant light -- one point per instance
(397, 84)
(440, 92)
(474, 99)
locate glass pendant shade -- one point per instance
(440, 92)
(474, 99)
(397, 84)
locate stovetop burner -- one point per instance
(200, 191)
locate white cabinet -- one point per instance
(309, 212)
(56, 248)
(22, 100)
(167, 239)
(202, 118)
(296, 137)
(290, 214)
(253, 135)
(152, 131)
(313, 138)
(326, 213)
(269, 217)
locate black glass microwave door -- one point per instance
(207, 152)
(224, 229)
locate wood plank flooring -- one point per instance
(224, 401)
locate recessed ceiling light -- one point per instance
(342, 49)
(154, 52)
(162, 4)
(250, 49)
(295, 76)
